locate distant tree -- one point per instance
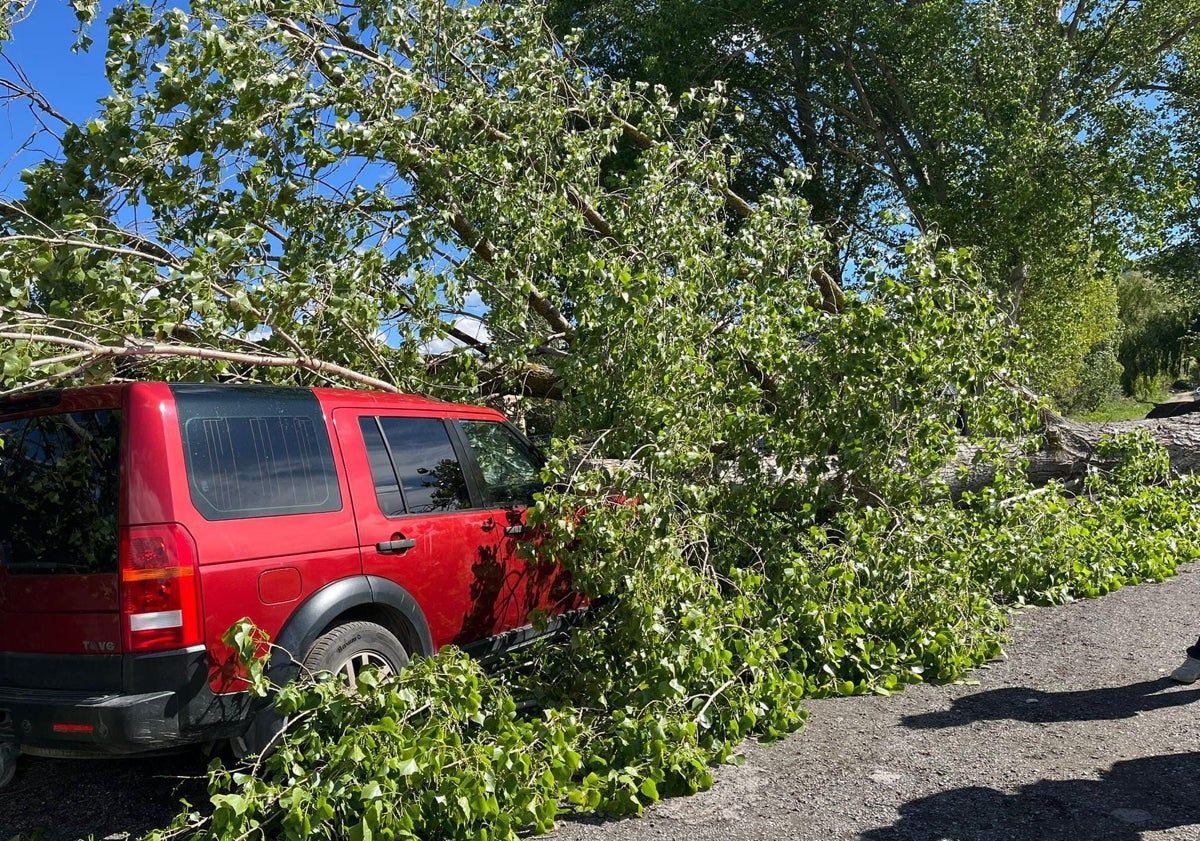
(1155, 322)
(1053, 138)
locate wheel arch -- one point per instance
(362, 598)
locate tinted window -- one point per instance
(256, 452)
(383, 473)
(426, 464)
(59, 493)
(511, 469)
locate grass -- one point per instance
(1124, 408)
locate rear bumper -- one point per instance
(102, 724)
(172, 705)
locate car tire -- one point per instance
(343, 651)
(348, 649)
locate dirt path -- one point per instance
(1077, 736)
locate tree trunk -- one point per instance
(1065, 451)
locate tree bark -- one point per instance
(1066, 451)
(1063, 451)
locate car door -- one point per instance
(508, 474)
(417, 524)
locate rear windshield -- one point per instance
(59, 493)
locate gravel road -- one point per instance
(1078, 735)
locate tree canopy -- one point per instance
(1053, 138)
(323, 189)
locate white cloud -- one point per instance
(474, 328)
(474, 302)
(438, 346)
(467, 325)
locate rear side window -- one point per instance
(511, 468)
(256, 452)
(60, 478)
(387, 488)
(414, 466)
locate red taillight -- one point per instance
(160, 593)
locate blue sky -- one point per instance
(72, 82)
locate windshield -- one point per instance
(59, 491)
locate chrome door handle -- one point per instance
(514, 531)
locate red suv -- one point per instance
(139, 521)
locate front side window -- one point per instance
(256, 452)
(59, 493)
(423, 462)
(511, 469)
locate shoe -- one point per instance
(1189, 672)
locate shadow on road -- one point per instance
(1132, 797)
(71, 799)
(1018, 703)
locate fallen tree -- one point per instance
(423, 200)
(422, 195)
(1068, 452)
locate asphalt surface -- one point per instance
(1078, 735)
